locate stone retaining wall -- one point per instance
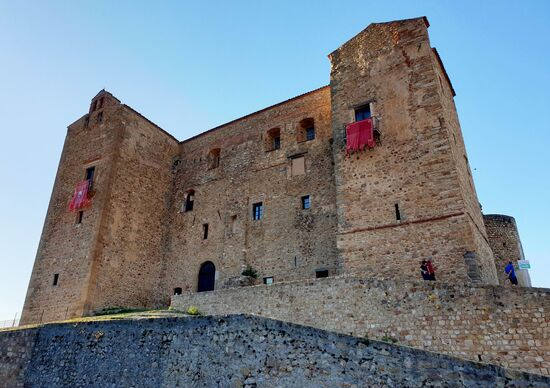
(500, 325)
(229, 351)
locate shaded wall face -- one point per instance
(129, 267)
(288, 242)
(506, 245)
(66, 246)
(391, 67)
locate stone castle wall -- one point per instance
(503, 326)
(227, 351)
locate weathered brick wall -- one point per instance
(390, 66)
(231, 351)
(66, 248)
(288, 242)
(494, 324)
(506, 246)
(15, 355)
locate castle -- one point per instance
(283, 192)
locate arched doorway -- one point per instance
(207, 277)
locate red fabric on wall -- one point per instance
(359, 135)
(80, 197)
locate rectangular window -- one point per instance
(177, 291)
(298, 166)
(257, 211)
(362, 113)
(204, 231)
(310, 133)
(90, 172)
(321, 273)
(277, 142)
(99, 117)
(268, 280)
(306, 202)
(55, 279)
(79, 217)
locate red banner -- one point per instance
(359, 135)
(81, 197)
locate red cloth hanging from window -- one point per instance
(359, 135)
(81, 197)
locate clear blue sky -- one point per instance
(189, 66)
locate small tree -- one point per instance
(249, 271)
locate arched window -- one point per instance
(273, 139)
(189, 200)
(306, 130)
(207, 277)
(214, 158)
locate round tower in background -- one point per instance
(506, 245)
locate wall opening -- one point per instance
(268, 280)
(207, 277)
(214, 158)
(90, 173)
(273, 139)
(362, 113)
(55, 279)
(306, 130)
(189, 201)
(397, 212)
(204, 231)
(178, 291)
(79, 217)
(257, 211)
(306, 202)
(321, 273)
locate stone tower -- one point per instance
(412, 196)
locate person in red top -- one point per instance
(431, 269)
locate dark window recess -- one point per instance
(257, 211)
(397, 213)
(204, 231)
(177, 291)
(362, 113)
(99, 117)
(306, 202)
(268, 280)
(214, 158)
(310, 133)
(55, 279)
(189, 200)
(277, 143)
(321, 273)
(79, 217)
(90, 172)
(207, 277)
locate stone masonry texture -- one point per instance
(137, 243)
(228, 351)
(499, 325)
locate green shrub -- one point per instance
(249, 271)
(192, 310)
(388, 338)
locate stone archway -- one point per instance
(207, 277)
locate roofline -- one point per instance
(444, 71)
(255, 113)
(423, 18)
(150, 122)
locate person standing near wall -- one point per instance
(431, 269)
(511, 273)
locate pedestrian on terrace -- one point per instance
(424, 270)
(431, 269)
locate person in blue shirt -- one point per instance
(509, 270)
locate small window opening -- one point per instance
(273, 139)
(214, 158)
(298, 166)
(55, 279)
(99, 117)
(321, 273)
(397, 212)
(306, 202)
(79, 217)
(257, 211)
(233, 222)
(90, 173)
(189, 200)
(362, 113)
(204, 231)
(178, 291)
(268, 280)
(306, 130)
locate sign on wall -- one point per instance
(524, 264)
